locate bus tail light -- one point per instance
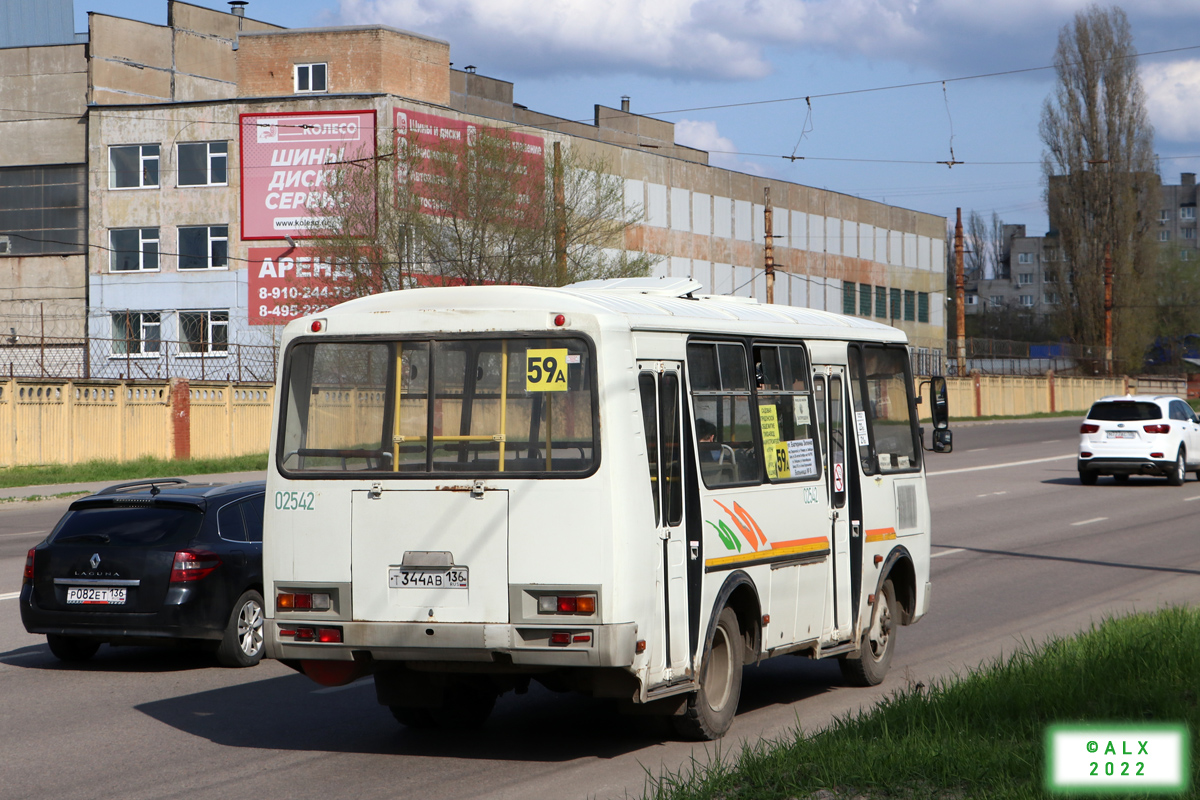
(567, 604)
(27, 576)
(329, 635)
(560, 637)
(303, 601)
(1156, 428)
(192, 565)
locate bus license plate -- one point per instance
(453, 578)
(1121, 434)
(104, 597)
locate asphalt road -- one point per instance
(1023, 551)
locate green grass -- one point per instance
(93, 471)
(980, 735)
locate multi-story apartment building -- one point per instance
(1026, 278)
(187, 231)
(1177, 217)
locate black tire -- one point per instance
(242, 644)
(467, 705)
(72, 648)
(418, 718)
(710, 711)
(1087, 477)
(1178, 473)
(870, 666)
(1121, 478)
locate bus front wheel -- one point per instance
(710, 711)
(874, 657)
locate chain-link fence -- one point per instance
(122, 359)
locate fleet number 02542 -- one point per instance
(294, 501)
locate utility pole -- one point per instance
(769, 246)
(1108, 307)
(960, 296)
(560, 220)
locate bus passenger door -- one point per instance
(660, 386)
(829, 396)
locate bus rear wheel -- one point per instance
(710, 711)
(870, 666)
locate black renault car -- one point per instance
(152, 562)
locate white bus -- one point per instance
(615, 487)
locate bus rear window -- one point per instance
(417, 407)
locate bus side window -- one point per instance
(725, 441)
(785, 415)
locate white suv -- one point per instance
(1139, 435)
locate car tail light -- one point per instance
(192, 565)
(303, 601)
(1156, 455)
(1085, 454)
(1087, 427)
(1162, 428)
(27, 577)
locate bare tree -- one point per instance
(975, 240)
(475, 210)
(1101, 188)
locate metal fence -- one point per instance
(52, 357)
(1006, 357)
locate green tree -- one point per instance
(1101, 187)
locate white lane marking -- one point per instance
(990, 494)
(1190, 499)
(1000, 466)
(949, 552)
(353, 685)
(1088, 521)
(26, 533)
(10, 596)
(979, 449)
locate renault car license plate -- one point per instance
(438, 578)
(100, 596)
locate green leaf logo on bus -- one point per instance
(745, 524)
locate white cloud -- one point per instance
(729, 39)
(703, 135)
(1172, 90)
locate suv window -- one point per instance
(1124, 411)
(1179, 410)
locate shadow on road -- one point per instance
(1136, 482)
(1071, 560)
(293, 713)
(114, 659)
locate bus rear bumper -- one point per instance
(519, 645)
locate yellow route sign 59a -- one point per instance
(546, 370)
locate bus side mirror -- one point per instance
(943, 441)
(940, 409)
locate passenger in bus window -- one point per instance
(706, 435)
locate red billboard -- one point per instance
(286, 163)
(290, 282)
(443, 143)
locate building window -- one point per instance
(923, 307)
(972, 299)
(1050, 298)
(897, 312)
(1027, 300)
(1025, 258)
(203, 164)
(204, 248)
(864, 299)
(136, 332)
(1188, 233)
(995, 301)
(1187, 212)
(203, 331)
(133, 249)
(1185, 255)
(310, 77)
(43, 210)
(1051, 254)
(1025, 278)
(881, 299)
(1164, 236)
(848, 301)
(1050, 276)
(1164, 215)
(133, 167)
(910, 305)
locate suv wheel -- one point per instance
(1178, 472)
(1087, 477)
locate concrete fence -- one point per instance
(1018, 395)
(68, 422)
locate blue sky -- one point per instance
(672, 56)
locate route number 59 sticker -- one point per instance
(546, 370)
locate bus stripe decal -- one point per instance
(881, 534)
(815, 548)
(798, 542)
